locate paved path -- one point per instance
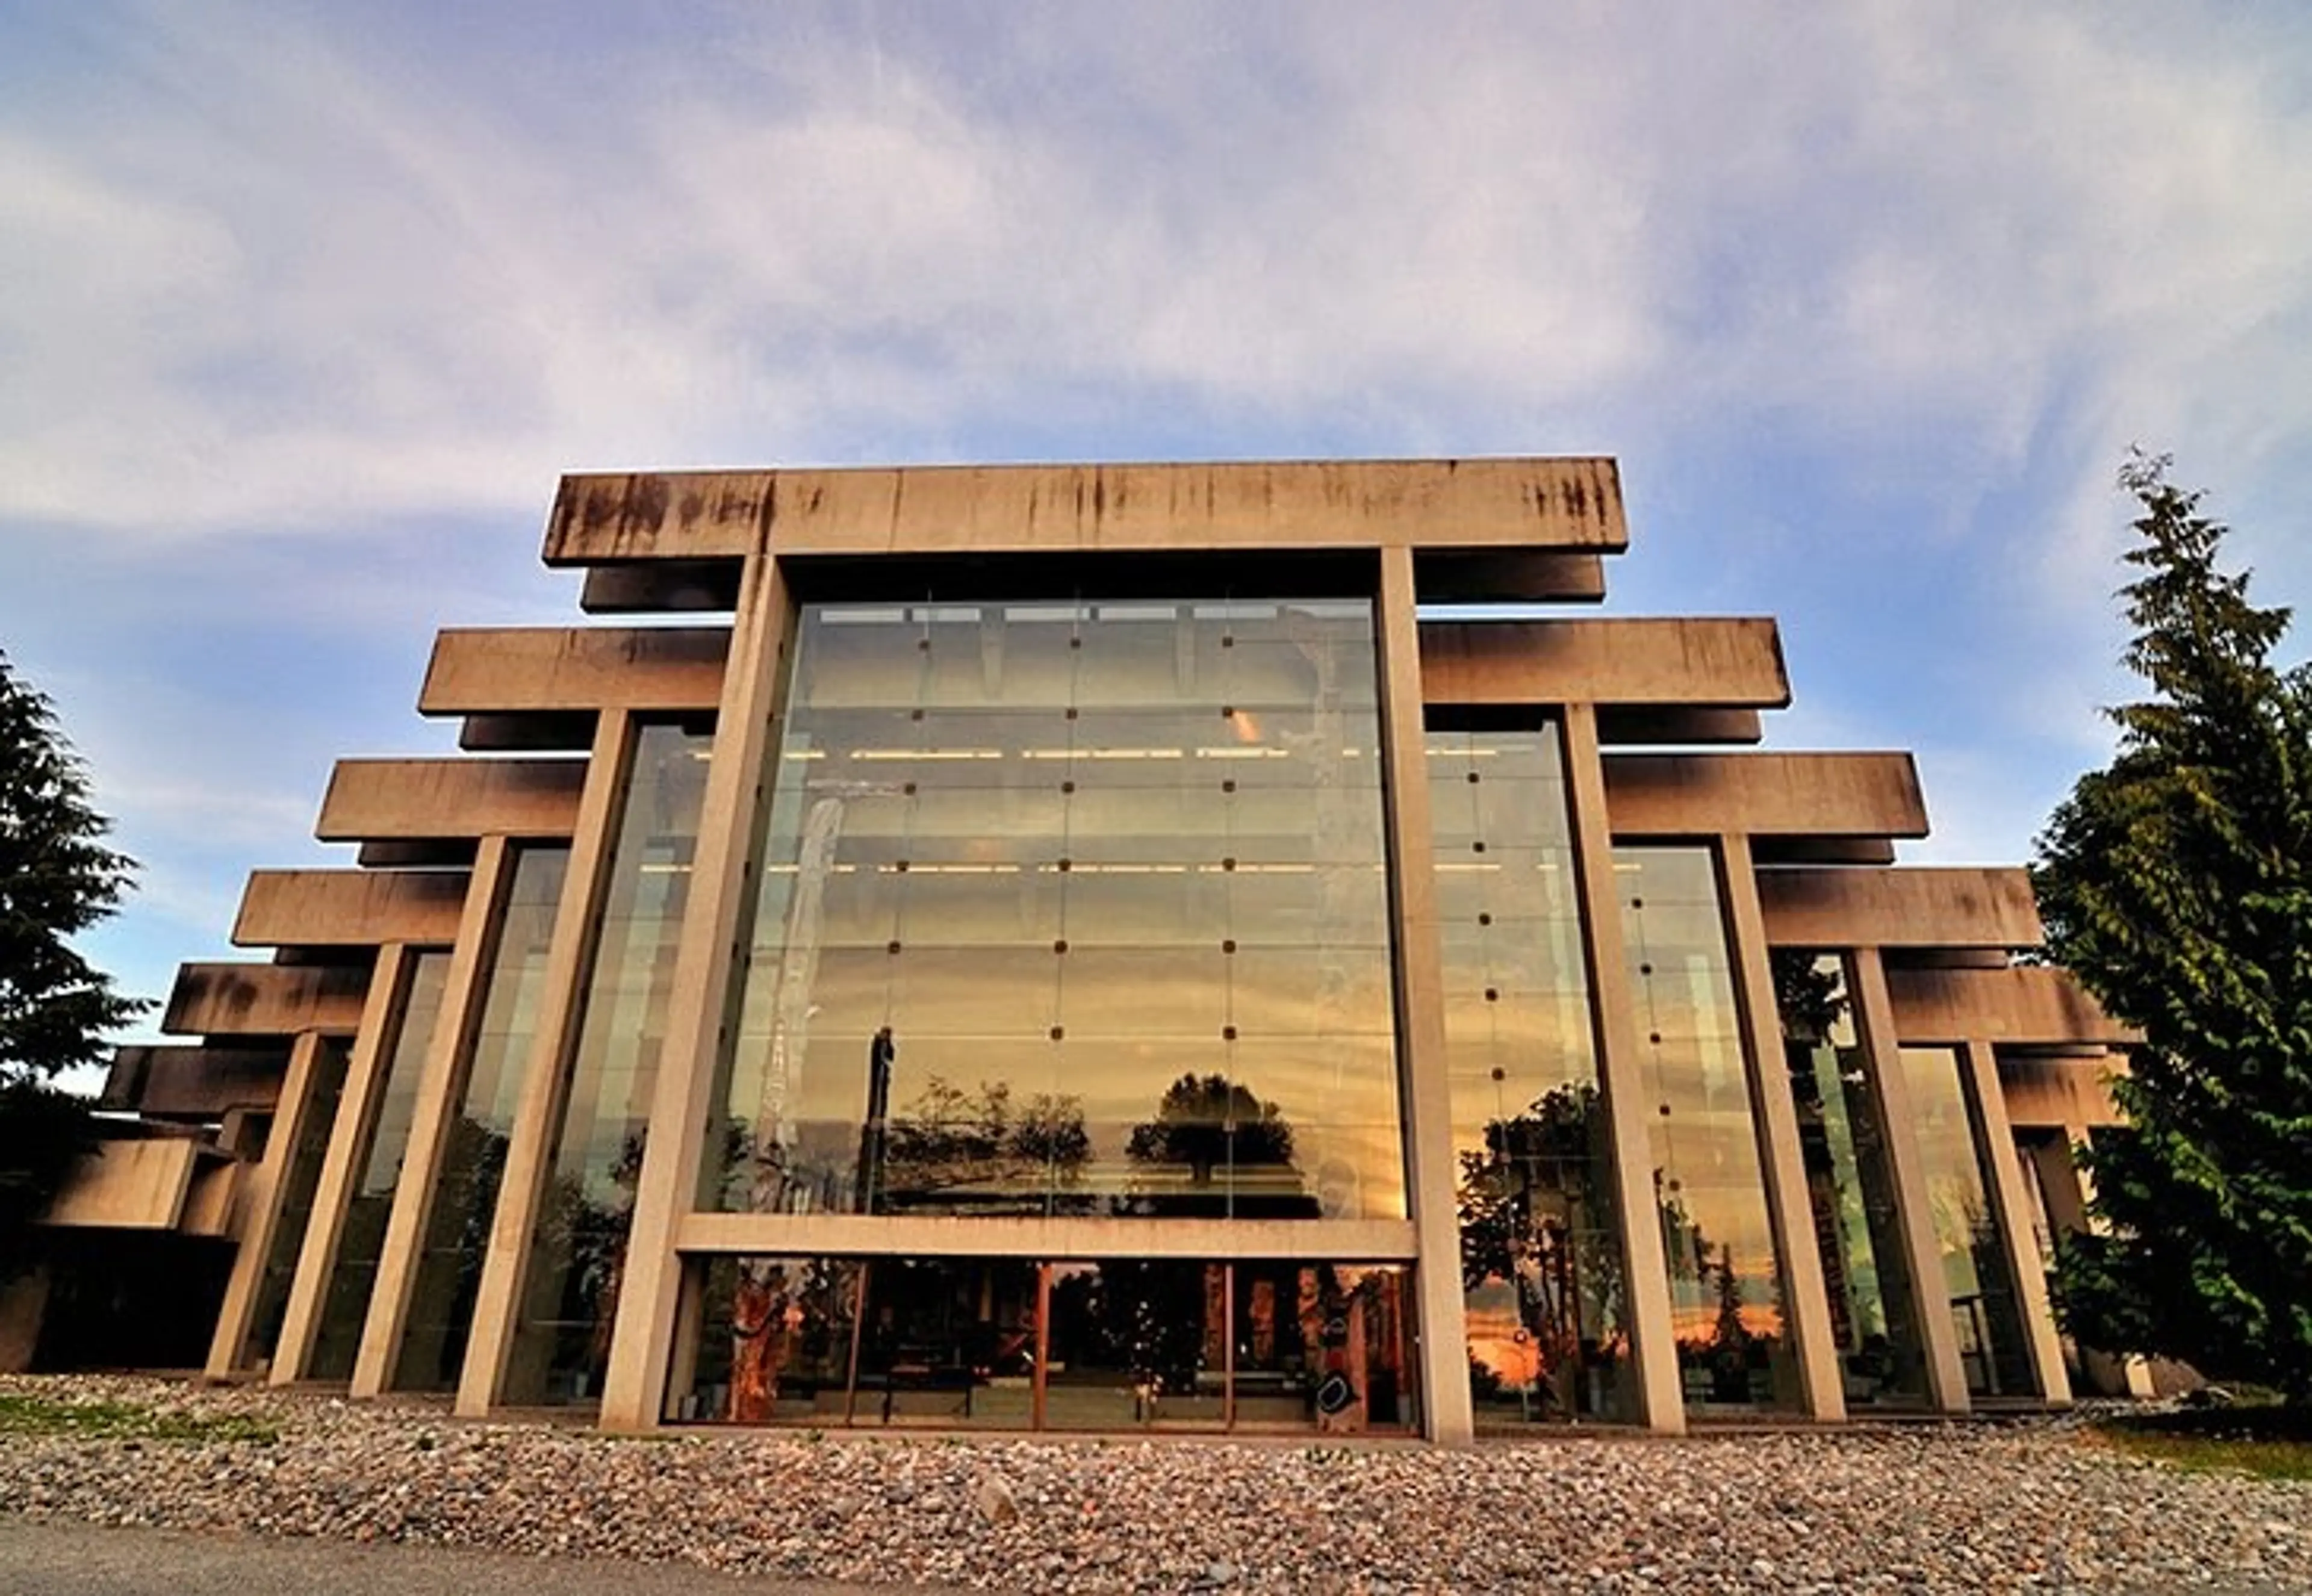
(40, 1558)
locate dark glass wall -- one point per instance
(300, 1179)
(1726, 1297)
(1541, 1254)
(463, 1203)
(578, 1255)
(1073, 907)
(1851, 1188)
(1977, 1271)
(361, 1240)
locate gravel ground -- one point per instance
(2019, 1506)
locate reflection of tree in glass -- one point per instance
(1209, 1122)
(1143, 1317)
(949, 1146)
(1526, 1203)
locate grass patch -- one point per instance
(125, 1421)
(2273, 1442)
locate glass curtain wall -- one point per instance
(1977, 1272)
(1850, 1186)
(1069, 908)
(562, 1346)
(361, 1240)
(984, 1343)
(1726, 1299)
(299, 1180)
(1541, 1252)
(463, 1203)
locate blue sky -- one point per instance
(304, 308)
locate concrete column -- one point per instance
(258, 1212)
(348, 1146)
(1874, 1023)
(1645, 1269)
(1806, 1299)
(2068, 1191)
(536, 1134)
(2010, 1210)
(465, 988)
(1422, 1088)
(722, 883)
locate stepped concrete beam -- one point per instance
(2059, 1093)
(2027, 1004)
(1523, 504)
(510, 670)
(319, 909)
(1871, 796)
(266, 999)
(428, 800)
(1899, 908)
(1721, 664)
(192, 1083)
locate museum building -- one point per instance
(1104, 948)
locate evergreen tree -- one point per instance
(2177, 884)
(57, 878)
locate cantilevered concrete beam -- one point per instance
(1561, 505)
(2059, 1093)
(419, 800)
(1871, 795)
(1700, 663)
(266, 999)
(2027, 1004)
(1899, 908)
(315, 909)
(192, 1083)
(509, 670)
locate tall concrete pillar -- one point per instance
(1653, 1342)
(722, 878)
(2010, 1210)
(1806, 1298)
(546, 1073)
(256, 1214)
(440, 1084)
(1874, 1021)
(1422, 1087)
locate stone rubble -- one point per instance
(1924, 1507)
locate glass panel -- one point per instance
(1976, 1270)
(1137, 1344)
(946, 1343)
(345, 1305)
(299, 1180)
(1045, 888)
(1322, 1347)
(1850, 1186)
(776, 1341)
(1725, 1283)
(578, 1255)
(464, 1200)
(1541, 1252)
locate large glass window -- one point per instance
(1976, 1270)
(1541, 1255)
(361, 1240)
(1073, 907)
(1118, 1345)
(1726, 1301)
(578, 1255)
(1850, 1186)
(463, 1203)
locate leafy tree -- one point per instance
(2177, 884)
(57, 878)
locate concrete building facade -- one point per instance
(1104, 948)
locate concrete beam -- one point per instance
(1704, 663)
(2059, 1093)
(504, 670)
(1520, 503)
(266, 999)
(313, 908)
(1507, 577)
(424, 800)
(1374, 1241)
(1804, 794)
(182, 1082)
(128, 1185)
(1624, 726)
(2028, 1003)
(1899, 908)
